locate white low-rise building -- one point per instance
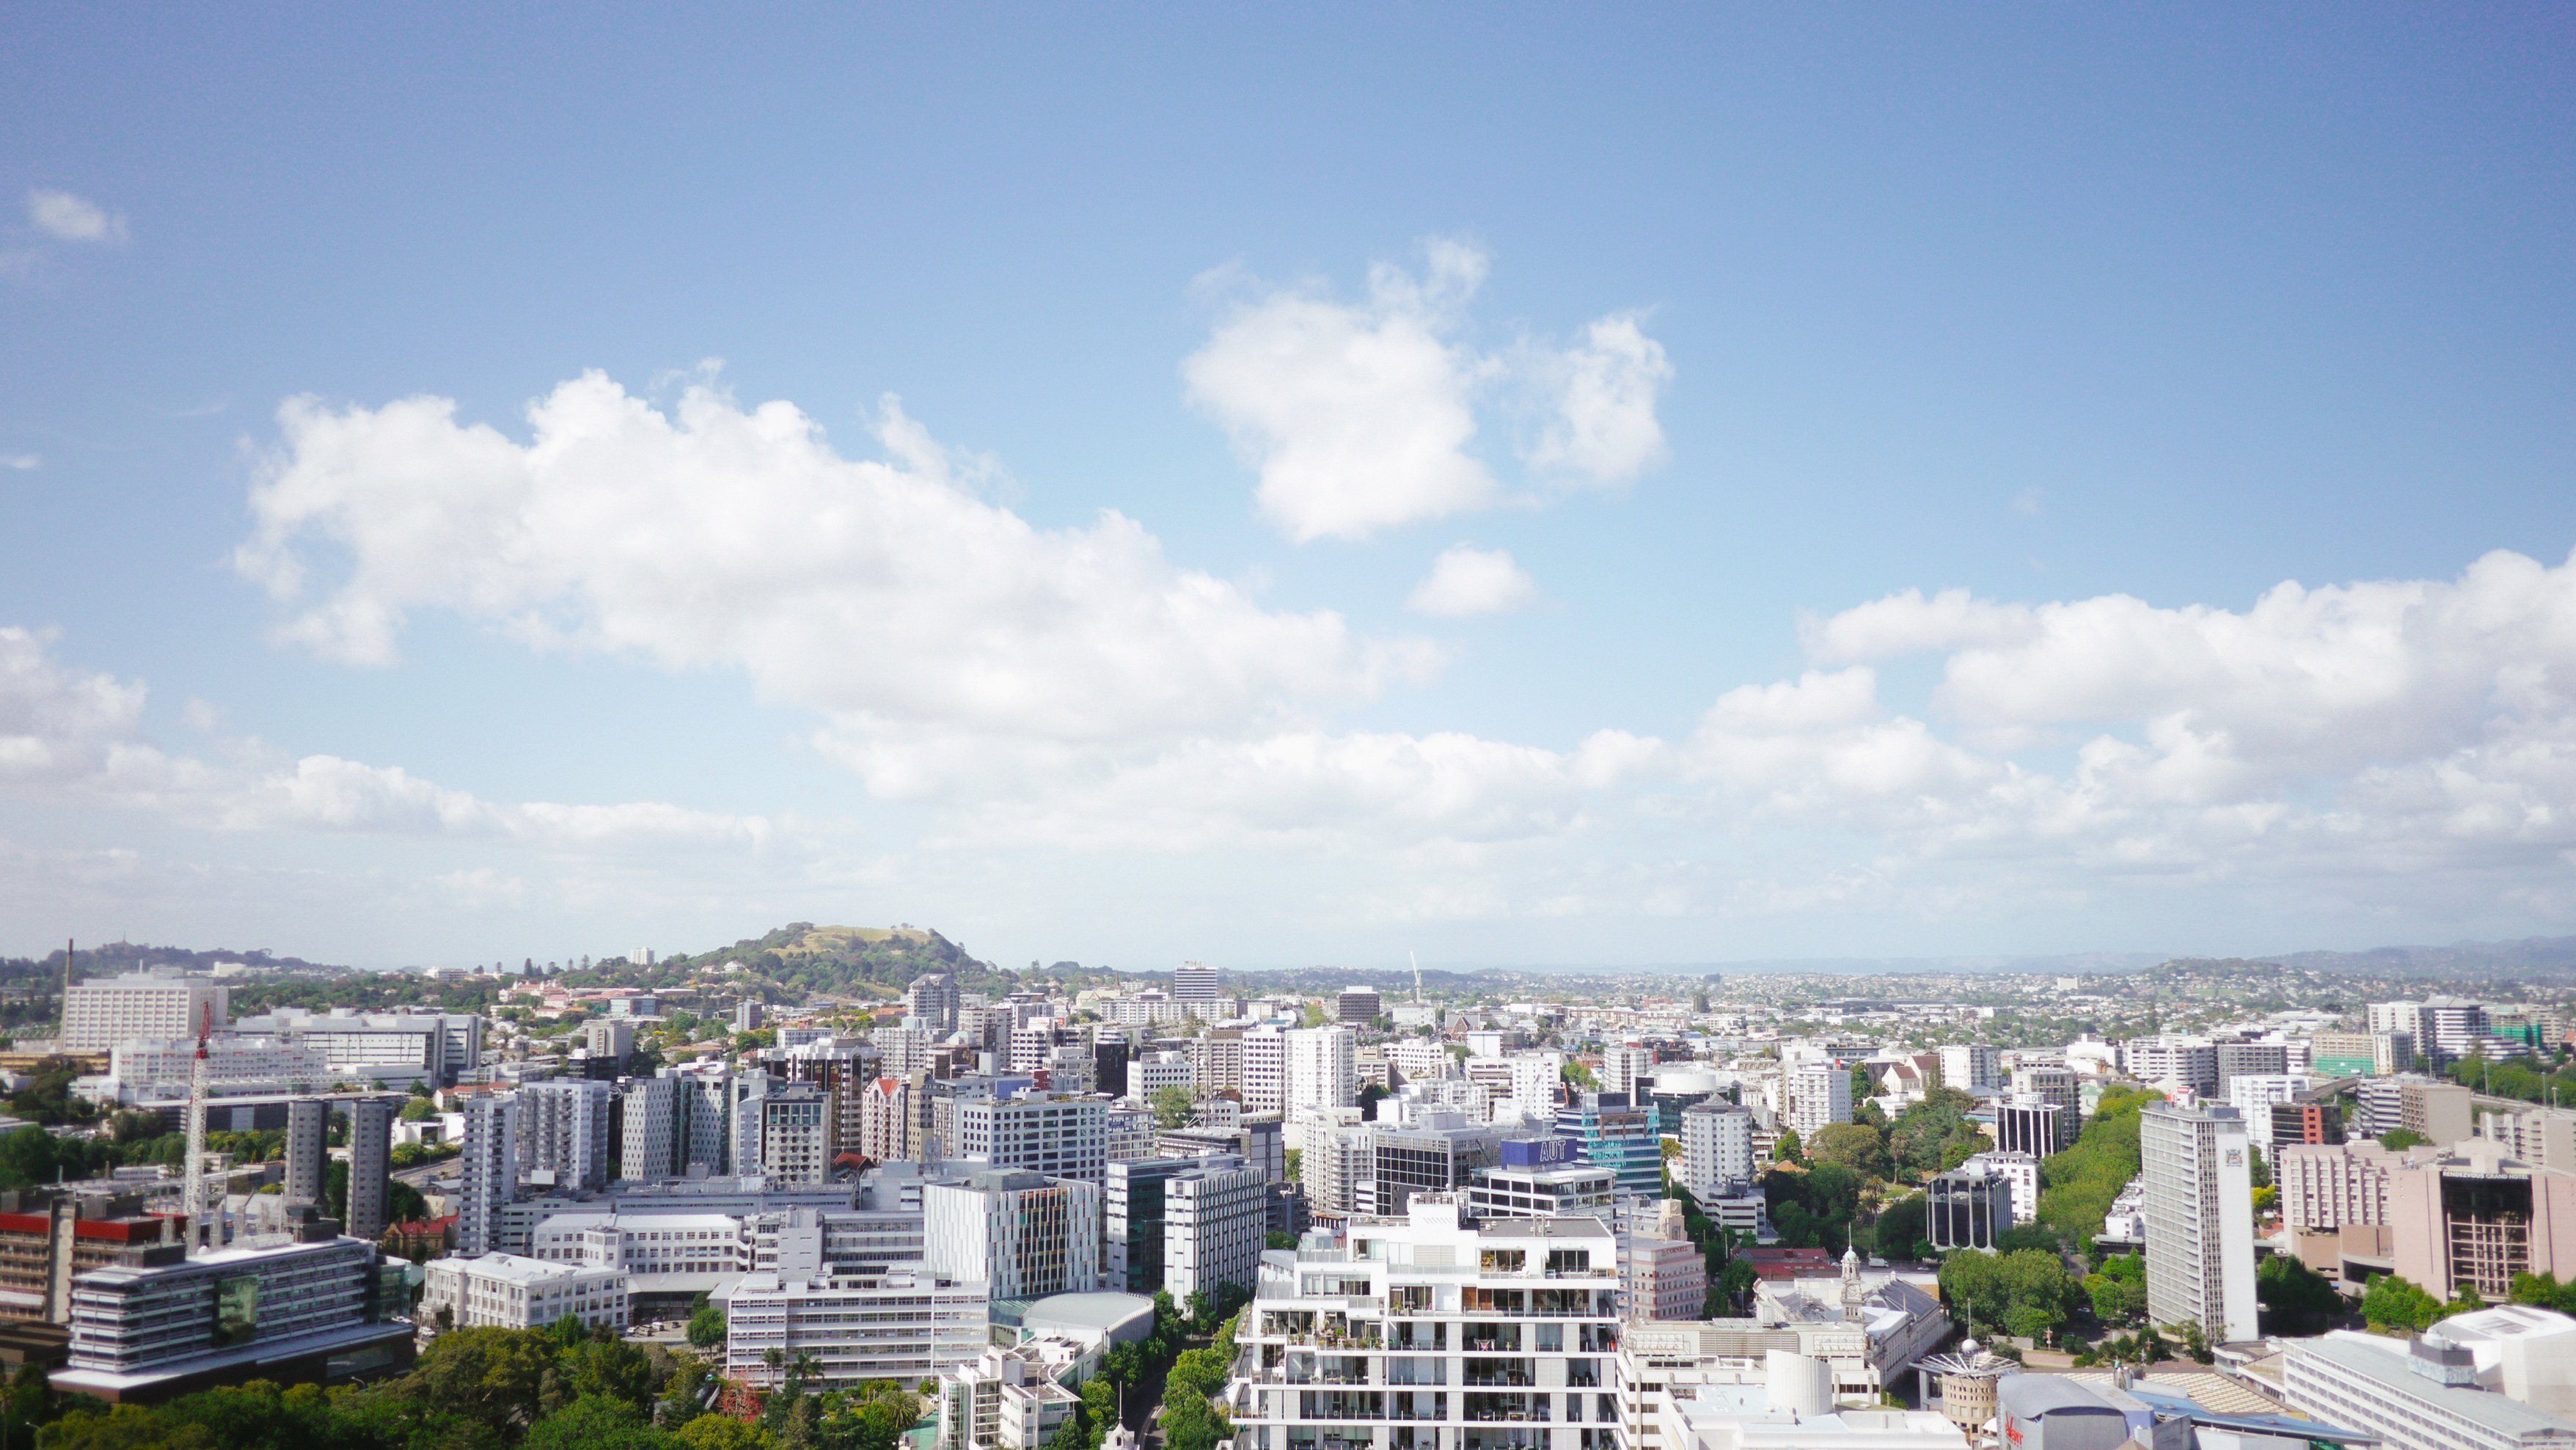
(505, 1291)
(147, 1069)
(2501, 1379)
(906, 1326)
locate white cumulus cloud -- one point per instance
(1361, 416)
(1602, 429)
(1466, 581)
(915, 616)
(69, 218)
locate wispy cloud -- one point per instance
(20, 462)
(69, 218)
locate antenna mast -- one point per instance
(1417, 977)
(193, 1189)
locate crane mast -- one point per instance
(193, 1188)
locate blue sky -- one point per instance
(1522, 434)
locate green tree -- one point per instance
(1899, 1228)
(1173, 1107)
(597, 1422)
(2397, 1139)
(2295, 1299)
(2393, 1304)
(1788, 1149)
(2543, 1291)
(487, 1377)
(706, 1326)
(722, 1432)
(2077, 1186)
(1855, 1146)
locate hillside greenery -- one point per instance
(2078, 1185)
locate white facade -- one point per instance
(1215, 1225)
(1536, 1078)
(1265, 1070)
(488, 1169)
(384, 1047)
(2021, 1170)
(1059, 1137)
(1717, 1149)
(104, 1011)
(1971, 1066)
(2199, 1219)
(1322, 1068)
(916, 1326)
(1819, 1094)
(1024, 1234)
(796, 1123)
(2372, 1383)
(2254, 1095)
(1156, 1071)
(505, 1291)
(1622, 1067)
(563, 1133)
(146, 1069)
(1497, 1336)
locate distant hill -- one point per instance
(2537, 956)
(861, 961)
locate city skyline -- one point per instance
(1702, 490)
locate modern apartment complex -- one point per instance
(2197, 1167)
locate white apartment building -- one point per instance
(1971, 1066)
(1322, 1068)
(1059, 1137)
(2444, 1029)
(505, 1291)
(1024, 1234)
(1623, 1066)
(1417, 1059)
(1819, 1094)
(488, 1171)
(1536, 1079)
(1215, 1224)
(2191, 1062)
(2199, 1219)
(902, 1051)
(104, 1011)
(2254, 1095)
(1264, 1069)
(1156, 1071)
(885, 1121)
(563, 1133)
(1009, 1399)
(1717, 1149)
(160, 1070)
(796, 1133)
(1419, 1332)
